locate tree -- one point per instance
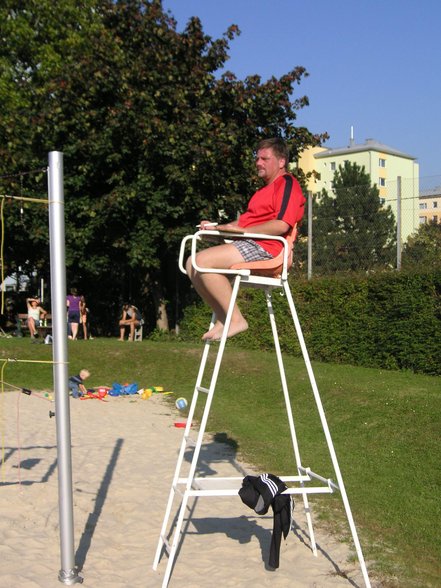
(153, 140)
(423, 249)
(352, 229)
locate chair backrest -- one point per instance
(271, 267)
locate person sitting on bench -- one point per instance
(35, 315)
(131, 317)
(273, 210)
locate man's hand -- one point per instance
(206, 225)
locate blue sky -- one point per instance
(375, 65)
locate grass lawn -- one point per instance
(385, 426)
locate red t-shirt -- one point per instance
(281, 200)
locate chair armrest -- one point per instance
(225, 235)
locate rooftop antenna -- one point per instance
(351, 140)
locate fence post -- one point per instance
(309, 235)
(398, 223)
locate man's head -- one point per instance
(272, 159)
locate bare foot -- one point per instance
(214, 334)
(235, 328)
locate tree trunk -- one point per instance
(161, 316)
(160, 305)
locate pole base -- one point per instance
(70, 577)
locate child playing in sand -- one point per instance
(76, 385)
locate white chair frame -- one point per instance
(190, 485)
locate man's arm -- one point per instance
(273, 227)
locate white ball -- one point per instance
(181, 403)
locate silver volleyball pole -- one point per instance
(68, 573)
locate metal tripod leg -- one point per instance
(327, 433)
(172, 547)
(290, 414)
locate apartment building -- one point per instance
(395, 173)
(430, 206)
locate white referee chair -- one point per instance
(267, 275)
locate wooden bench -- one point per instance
(43, 330)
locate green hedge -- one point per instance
(390, 320)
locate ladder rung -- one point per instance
(202, 389)
(230, 486)
(234, 492)
(190, 442)
(166, 544)
(312, 474)
(178, 490)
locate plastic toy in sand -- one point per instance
(123, 389)
(102, 390)
(99, 395)
(146, 393)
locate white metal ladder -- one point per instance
(192, 486)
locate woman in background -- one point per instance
(84, 312)
(131, 318)
(35, 314)
(73, 302)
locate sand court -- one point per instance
(124, 454)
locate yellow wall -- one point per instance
(395, 166)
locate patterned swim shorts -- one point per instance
(250, 250)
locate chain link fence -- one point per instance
(366, 229)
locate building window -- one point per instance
(423, 205)
(435, 218)
(332, 165)
(435, 204)
(422, 220)
(382, 201)
(382, 182)
(382, 162)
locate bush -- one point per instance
(390, 320)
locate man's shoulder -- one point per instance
(287, 181)
(287, 177)
(281, 181)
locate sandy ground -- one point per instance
(124, 454)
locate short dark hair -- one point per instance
(278, 145)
